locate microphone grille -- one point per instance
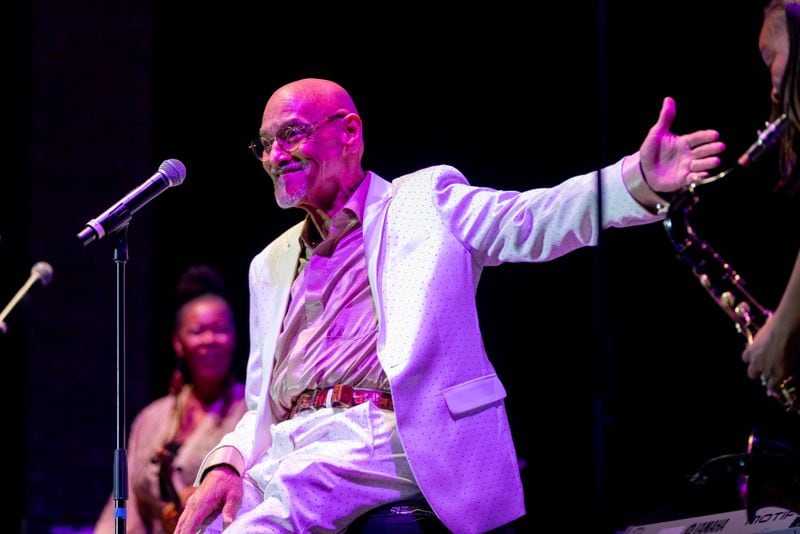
(173, 170)
(43, 271)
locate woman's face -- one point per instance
(205, 337)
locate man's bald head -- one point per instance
(323, 95)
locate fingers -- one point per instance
(767, 381)
(230, 508)
(707, 148)
(772, 385)
(770, 380)
(665, 117)
(186, 526)
(228, 515)
(704, 157)
(753, 372)
(703, 164)
(704, 137)
(190, 520)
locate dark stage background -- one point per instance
(622, 375)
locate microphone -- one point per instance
(41, 271)
(170, 173)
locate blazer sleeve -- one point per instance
(536, 225)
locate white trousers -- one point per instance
(323, 470)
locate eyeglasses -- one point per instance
(289, 137)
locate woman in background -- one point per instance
(171, 435)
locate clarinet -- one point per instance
(723, 284)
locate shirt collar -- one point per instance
(353, 208)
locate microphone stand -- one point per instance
(120, 456)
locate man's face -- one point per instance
(305, 160)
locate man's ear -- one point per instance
(352, 127)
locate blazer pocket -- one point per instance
(474, 394)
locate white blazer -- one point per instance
(427, 236)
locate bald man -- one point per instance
(367, 380)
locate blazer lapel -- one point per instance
(378, 195)
(281, 267)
